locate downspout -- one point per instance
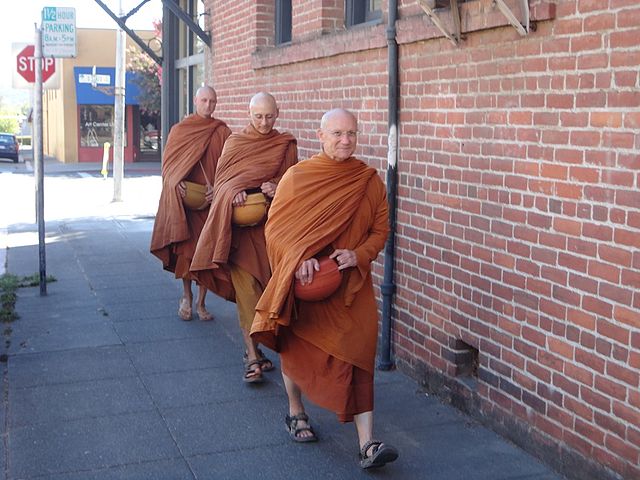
(388, 286)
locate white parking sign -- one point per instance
(59, 31)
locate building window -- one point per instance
(96, 125)
(362, 11)
(283, 21)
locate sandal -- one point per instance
(266, 365)
(381, 454)
(184, 310)
(204, 315)
(294, 430)
(252, 372)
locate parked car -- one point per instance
(9, 146)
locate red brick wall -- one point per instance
(519, 204)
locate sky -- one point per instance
(17, 24)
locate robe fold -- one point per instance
(177, 228)
(248, 159)
(322, 205)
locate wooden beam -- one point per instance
(523, 29)
(437, 22)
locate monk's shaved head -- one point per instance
(263, 98)
(205, 101)
(205, 89)
(332, 115)
(263, 112)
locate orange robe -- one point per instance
(327, 347)
(248, 160)
(176, 229)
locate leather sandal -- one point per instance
(252, 372)
(294, 430)
(374, 454)
(266, 365)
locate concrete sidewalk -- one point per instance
(104, 382)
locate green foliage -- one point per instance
(9, 125)
(9, 283)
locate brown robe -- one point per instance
(248, 160)
(322, 205)
(176, 229)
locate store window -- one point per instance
(283, 21)
(96, 125)
(190, 64)
(362, 11)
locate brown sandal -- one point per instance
(294, 430)
(252, 372)
(266, 365)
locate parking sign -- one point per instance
(59, 32)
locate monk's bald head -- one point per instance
(205, 101)
(263, 112)
(337, 114)
(338, 133)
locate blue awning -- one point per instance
(102, 93)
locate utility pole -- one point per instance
(38, 160)
(119, 110)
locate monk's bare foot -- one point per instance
(184, 310)
(203, 314)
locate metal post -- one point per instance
(38, 156)
(388, 286)
(119, 111)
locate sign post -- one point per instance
(38, 160)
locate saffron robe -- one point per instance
(176, 228)
(248, 159)
(321, 205)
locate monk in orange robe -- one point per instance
(331, 204)
(191, 153)
(232, 260)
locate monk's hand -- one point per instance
(268, 188)
(239, 199)
(345, 258)
(182, 189)
(306, 270)
(209, 195)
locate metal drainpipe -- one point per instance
(388, 286)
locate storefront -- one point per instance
(95, 95)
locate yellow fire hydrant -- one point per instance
(105, 159)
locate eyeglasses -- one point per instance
(339, 134)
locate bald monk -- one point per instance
(191, 153)
(231, 260)
(331, 204)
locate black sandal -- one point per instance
(266, 365)
(294, 430)
(381, 454)
(251, 374)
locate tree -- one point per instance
(148, 75)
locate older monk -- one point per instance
(331, 204)
(191, 154)
(232, 260)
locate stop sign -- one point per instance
(26, 65)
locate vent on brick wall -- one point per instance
(466, 359)
(455, 37)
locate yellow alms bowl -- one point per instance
(252, 212)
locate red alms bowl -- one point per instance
(325, 282)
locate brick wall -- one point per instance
(518, 259)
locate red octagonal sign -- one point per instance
(26, 64)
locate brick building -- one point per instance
(517, 254)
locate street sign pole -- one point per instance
(119, 109)
(38, 160)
